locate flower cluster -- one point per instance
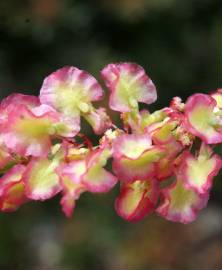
(163, 161)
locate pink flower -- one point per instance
(134, 157)
(200, 119)
(99, 120)
(129, 85)
(199, 171)
(12, 194)
(154, 155)
(217, 95)
(71, 92)
(137, 199)
(72, 187)
(179, 203)
(85, 173)
(163, 134)
(28, 132)
(41, 179)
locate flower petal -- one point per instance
(71, 192)
(181, 204)
(144, 167)
(70, 179)
(41, 180)
(97, 179)
(73, 170)
(13, 197)
(68, 204)
(199, 172)
(164, 168)
(200, 118)
(163, 134)
(26, 133)
(8, 104)
(14, 175)
(134, 157)
(99, 120)
(129, 85)
(131, 145)
(137, 199)
(218, 97)
(70, 91)
(12, 194)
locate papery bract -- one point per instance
(96, 178)
(137, 199)
(180, 204)
(99, 120)
(201, 120)
(71, 91)
(217, 95)
(162, 134)
(12, 194)
(41, 180)
(199, 171)
(8, 103)
(70, 177)
(134, 157)
(129, 85)
(84, 173)
(89, 172)
(71, 181)
(27, 132)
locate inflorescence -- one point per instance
(164, 161)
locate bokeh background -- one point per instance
(179, 43)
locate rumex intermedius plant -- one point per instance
(163, 161)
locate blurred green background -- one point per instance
(179, 43)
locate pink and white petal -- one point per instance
(68, 204)
(181, 204)
(18, 99)
(98, 180)
(136, 200)
(60, 125)
(71, 187)
(26, 134)
(43, 110)
(71, 193)
(13, 197)
(143, 167)
(199, 172)
(217, 95)
(200, 119)
(98, 156)
(41, 180)
(67, 87)
(71, 126)
(131, 145)
(13, 175)
(73, 170)
(129, 85)
(99, 120)
(12, 189)
(163, 134)
(164, 168)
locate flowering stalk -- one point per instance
(163, 161)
